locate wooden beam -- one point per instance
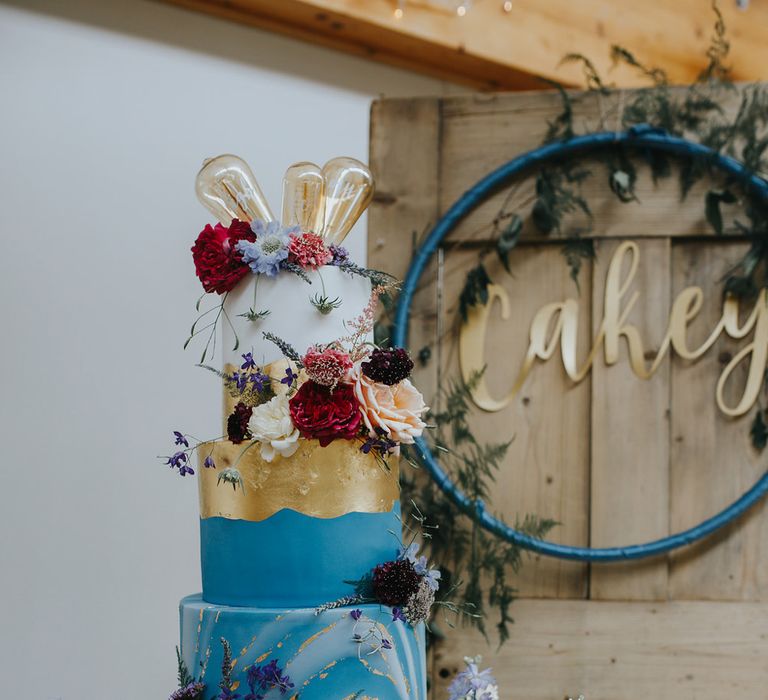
(495, 50)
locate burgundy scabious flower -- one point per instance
(308, 250)
(218, 265)
(237, 423)
(325, 415)
(388, 366)
(394, 582)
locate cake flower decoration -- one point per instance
(473, 684)
(271, 425)
(267, 252)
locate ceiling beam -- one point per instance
(491, 49)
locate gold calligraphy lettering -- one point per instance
(556, 325)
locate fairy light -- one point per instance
(461, 10)
(507, 6)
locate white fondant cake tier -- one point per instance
(292, 316)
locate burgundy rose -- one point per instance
(325, 415)
(217, 264)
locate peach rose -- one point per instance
(396, 410)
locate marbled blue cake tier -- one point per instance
(317, 652)
(293, 560)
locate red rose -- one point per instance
(325, 415)
(217, 264)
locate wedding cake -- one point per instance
(308, 590)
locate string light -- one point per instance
(400, 9)
(461, 10)
(462, 7)
(507, 6)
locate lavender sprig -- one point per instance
(377, 277)
(297, 270)
(339, 603)
(286, 348)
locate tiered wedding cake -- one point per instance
(300, 499)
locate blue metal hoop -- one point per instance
(637, 137)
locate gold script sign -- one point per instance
(555, 325)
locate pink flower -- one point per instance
(396, 410)
(308, 250)
(326, 366)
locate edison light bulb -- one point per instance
(228, 189)
(303, 204)
(348, 191)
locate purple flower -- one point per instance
(259, 379)
(192, 691)
(240, 379)
(383, 445)
(209, 463)
(263, 678)
(290, 377)
(180, 439)
(248, 361)
(340, 254)
(356, 614)
(178, 461)
(386, 644)
(473, 683)
(397, 614)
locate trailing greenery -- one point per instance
(694, 113)
(476, 564)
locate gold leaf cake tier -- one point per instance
(323, 482)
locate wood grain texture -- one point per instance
(546, 469)
(490, 49)
(659, 456)
(630, 436)
(712, 460)
(483, 132)
(622, 651)
(404, 157)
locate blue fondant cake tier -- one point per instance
(318, 653)
(293, 560)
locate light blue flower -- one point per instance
(473, 684)
(420, 566)
(265, 255)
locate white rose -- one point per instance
(272, 426)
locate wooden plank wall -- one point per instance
(614, 459)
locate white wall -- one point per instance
(106, 111)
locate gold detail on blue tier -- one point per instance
(322, 482)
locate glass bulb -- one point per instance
(228, 189)
(303, 203)
(348, 191)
